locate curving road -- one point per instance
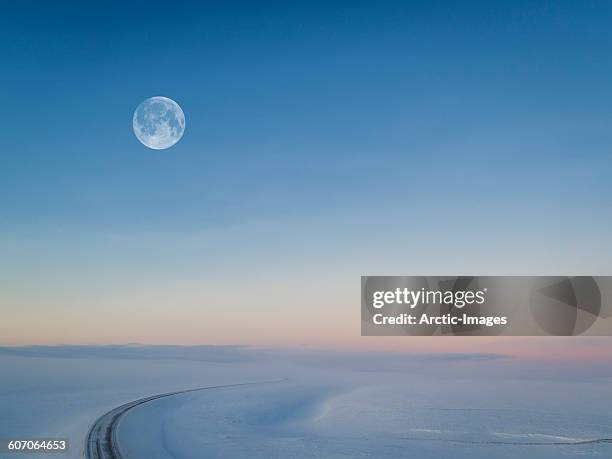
(101, 440)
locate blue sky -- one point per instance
(323, 141)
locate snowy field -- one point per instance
(307, 403)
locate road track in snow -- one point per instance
(101, 439)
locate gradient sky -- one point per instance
(324, 141)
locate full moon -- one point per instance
(158, 123)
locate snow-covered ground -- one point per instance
(59, 392)
(330, 405)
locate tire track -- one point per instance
(513, 443)
(101, 439)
